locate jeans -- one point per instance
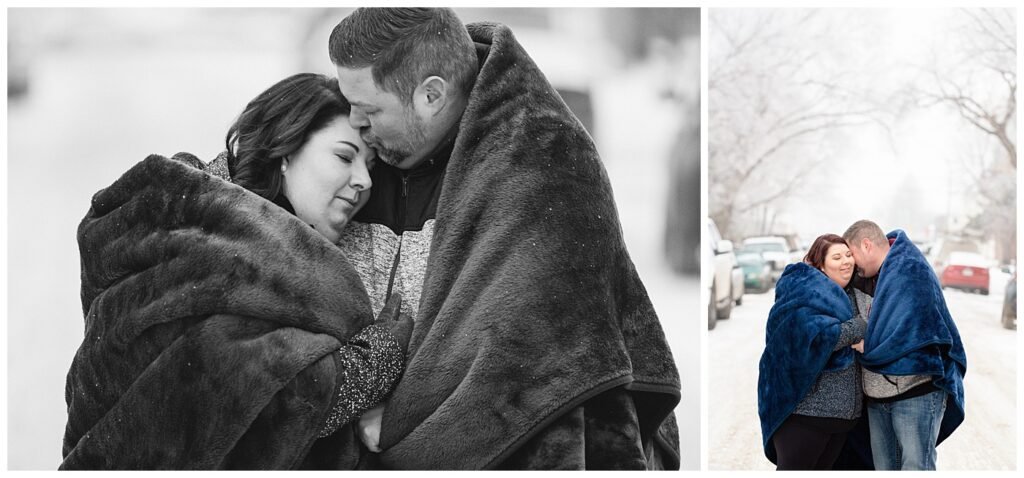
(903, 433)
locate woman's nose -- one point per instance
(360, 179)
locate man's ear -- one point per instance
(431, 95)
(865, 244)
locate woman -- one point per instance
(224, 328)
(809, 393)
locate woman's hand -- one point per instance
(859, 346)
(368, 428)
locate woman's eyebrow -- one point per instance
(350, 144)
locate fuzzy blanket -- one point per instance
(211, 316)
(531, 305)
(910, 331)
(802, 330)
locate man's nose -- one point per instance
(357, 119)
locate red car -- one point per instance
(967, 271)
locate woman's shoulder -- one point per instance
(799, 277)
(802, 287)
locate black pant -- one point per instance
(809, 443)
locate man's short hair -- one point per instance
(865, 228)
(404, 46)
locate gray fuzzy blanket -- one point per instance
(211, 316)
(531, 305)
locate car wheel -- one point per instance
(712, 311)
(1009, 321)
(984, 291)
(726, 312)
(739, 301)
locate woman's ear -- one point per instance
(284, 164)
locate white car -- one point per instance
(726, 278)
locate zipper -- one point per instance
(401, 235)
(394, 269)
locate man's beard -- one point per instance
(391, 157)
(415, 136)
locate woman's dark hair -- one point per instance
(277, 123)
(819, 249)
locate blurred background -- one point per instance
(818, 118)
(93, 91)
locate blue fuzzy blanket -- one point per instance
(910, 331)
(803, 328)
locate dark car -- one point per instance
(1010, 304)
(757, 272)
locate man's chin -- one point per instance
(391, 158)
(389, 161)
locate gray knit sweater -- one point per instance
(838, 394)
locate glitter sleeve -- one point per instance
(369, 366)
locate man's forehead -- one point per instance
(357, 84)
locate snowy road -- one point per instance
(985, 441)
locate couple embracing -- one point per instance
(860, 327)
(415, 265)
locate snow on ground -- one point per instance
(987, 440)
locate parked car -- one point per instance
(757, 272)
(707, 260)
(775, 250)
(19, 58)
(966, 271)
(939, 253)
(1009, 318)
(726, 279)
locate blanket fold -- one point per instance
(531, 305)
(211, 316)
(910, 330)
(802, 330)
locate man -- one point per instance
(913, 359)
(535, 343)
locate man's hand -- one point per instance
(368, 428)
(859, 346)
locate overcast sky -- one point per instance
(866, 168)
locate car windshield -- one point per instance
(749, 259)
(967, 259)
(764, 247)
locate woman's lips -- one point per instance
(352, 201)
